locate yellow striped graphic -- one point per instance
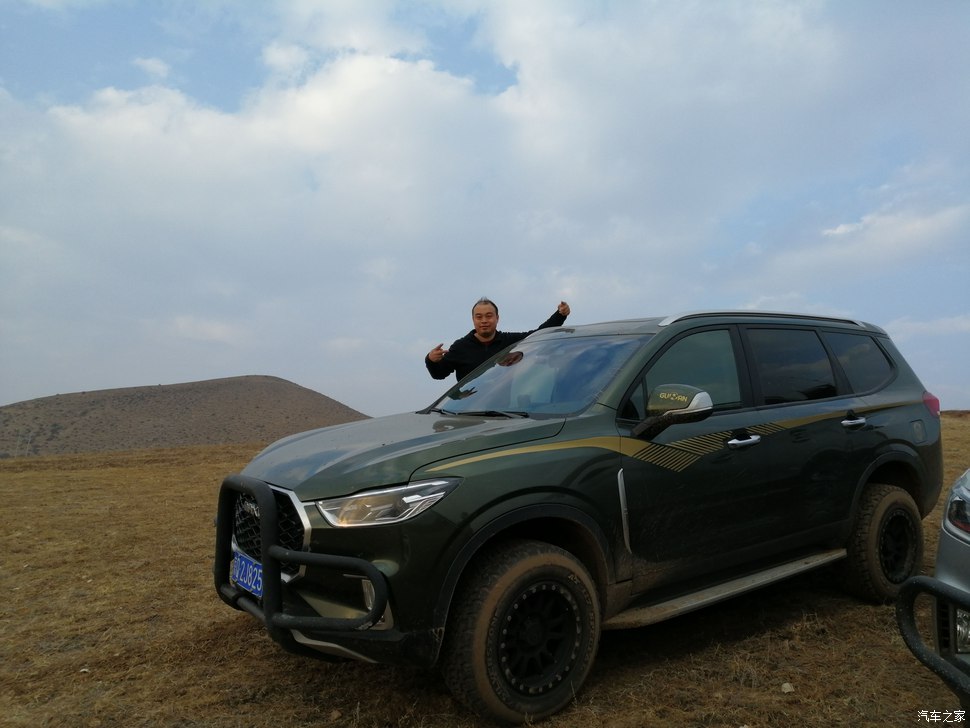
(676, 456)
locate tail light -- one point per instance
(932, 403)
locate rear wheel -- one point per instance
(886, 547)
(523, 633)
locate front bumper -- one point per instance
(290, 620)
(951, 668)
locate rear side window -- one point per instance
(865, 364)
(791, 365)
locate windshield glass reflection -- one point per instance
(543, 377)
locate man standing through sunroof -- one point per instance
(482, 342)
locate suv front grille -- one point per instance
(245, 528)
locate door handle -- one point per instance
(738, 443)
(853, 421)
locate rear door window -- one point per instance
(791, 365)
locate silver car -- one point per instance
(951, 589)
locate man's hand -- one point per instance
(563, 308)
(437, 353)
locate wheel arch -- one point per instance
(560, 525)
(900, 467)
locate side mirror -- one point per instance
(673, 404)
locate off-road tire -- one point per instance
(522, 634)
(886, 545)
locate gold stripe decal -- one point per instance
(676, 456)
(603, 443)
(664, 456)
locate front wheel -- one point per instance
(886, 546)
(523, 633)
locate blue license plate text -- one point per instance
(246, 573)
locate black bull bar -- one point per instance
(269, 609)
(956, 679)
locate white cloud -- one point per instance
(65, 4)
(953, 327)
(899, 232)
(24, 249)
(381, 270)
(938, 349)
(878, 241)
(156, 68)
(203, 329)
(347, 26)
(345, 346)
(793, 301)
(287, 59)
(845, 229)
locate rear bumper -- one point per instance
(289, 621)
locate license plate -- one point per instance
(246, 573)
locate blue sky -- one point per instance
(320, 190)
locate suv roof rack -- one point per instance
(778, 314)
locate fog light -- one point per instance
(368, 587)
(962, 631)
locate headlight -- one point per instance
(383, 507)
(958, 509)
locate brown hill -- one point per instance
(236, 410)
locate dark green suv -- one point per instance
(590, 477)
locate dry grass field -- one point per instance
(109, 618)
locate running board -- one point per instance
(653, 613)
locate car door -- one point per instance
(695, 491)
(797, 386)
(723, 491)
(870, 418)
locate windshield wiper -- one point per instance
(496, 413)
(439, 411)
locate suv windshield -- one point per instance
(548, 376)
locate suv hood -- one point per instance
(340, 460)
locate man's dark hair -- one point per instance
(489, 301)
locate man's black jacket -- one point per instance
(468, 352)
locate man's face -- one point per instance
(485, 320)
